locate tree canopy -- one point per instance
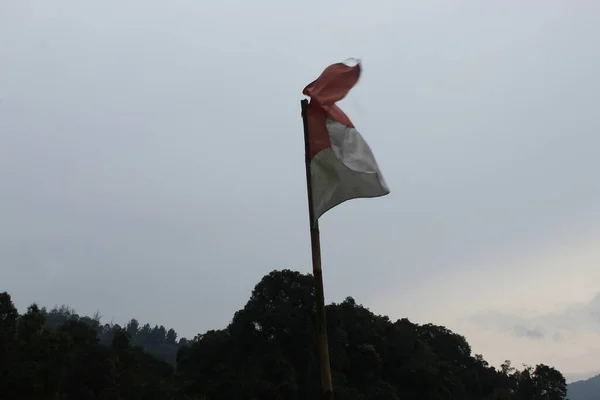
(266, 352)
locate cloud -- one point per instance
(531, 333)
(555, 326)
(557, 337)
(510, 324)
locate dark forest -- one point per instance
(267, 352)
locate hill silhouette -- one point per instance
(588, 389)
(266, 352)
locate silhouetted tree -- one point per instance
(171, 337)
(267, 352)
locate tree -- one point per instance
(372, 357)
(158, 334)
(171, 337)
(266, 352)
(133, 327)
(8, 329)
(549, 383)
(8, 320)
(30, 323)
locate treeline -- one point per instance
(157, 340)
(267, 352)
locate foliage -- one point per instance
(267, 352)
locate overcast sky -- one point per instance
(152, 162)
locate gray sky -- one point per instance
(151, 163)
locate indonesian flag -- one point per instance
(342, 165)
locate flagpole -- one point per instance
(315, 243)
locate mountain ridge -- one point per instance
(585, 389)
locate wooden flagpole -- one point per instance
(315, 242)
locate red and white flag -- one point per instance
(341, 162)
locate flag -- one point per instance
(342, 164)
